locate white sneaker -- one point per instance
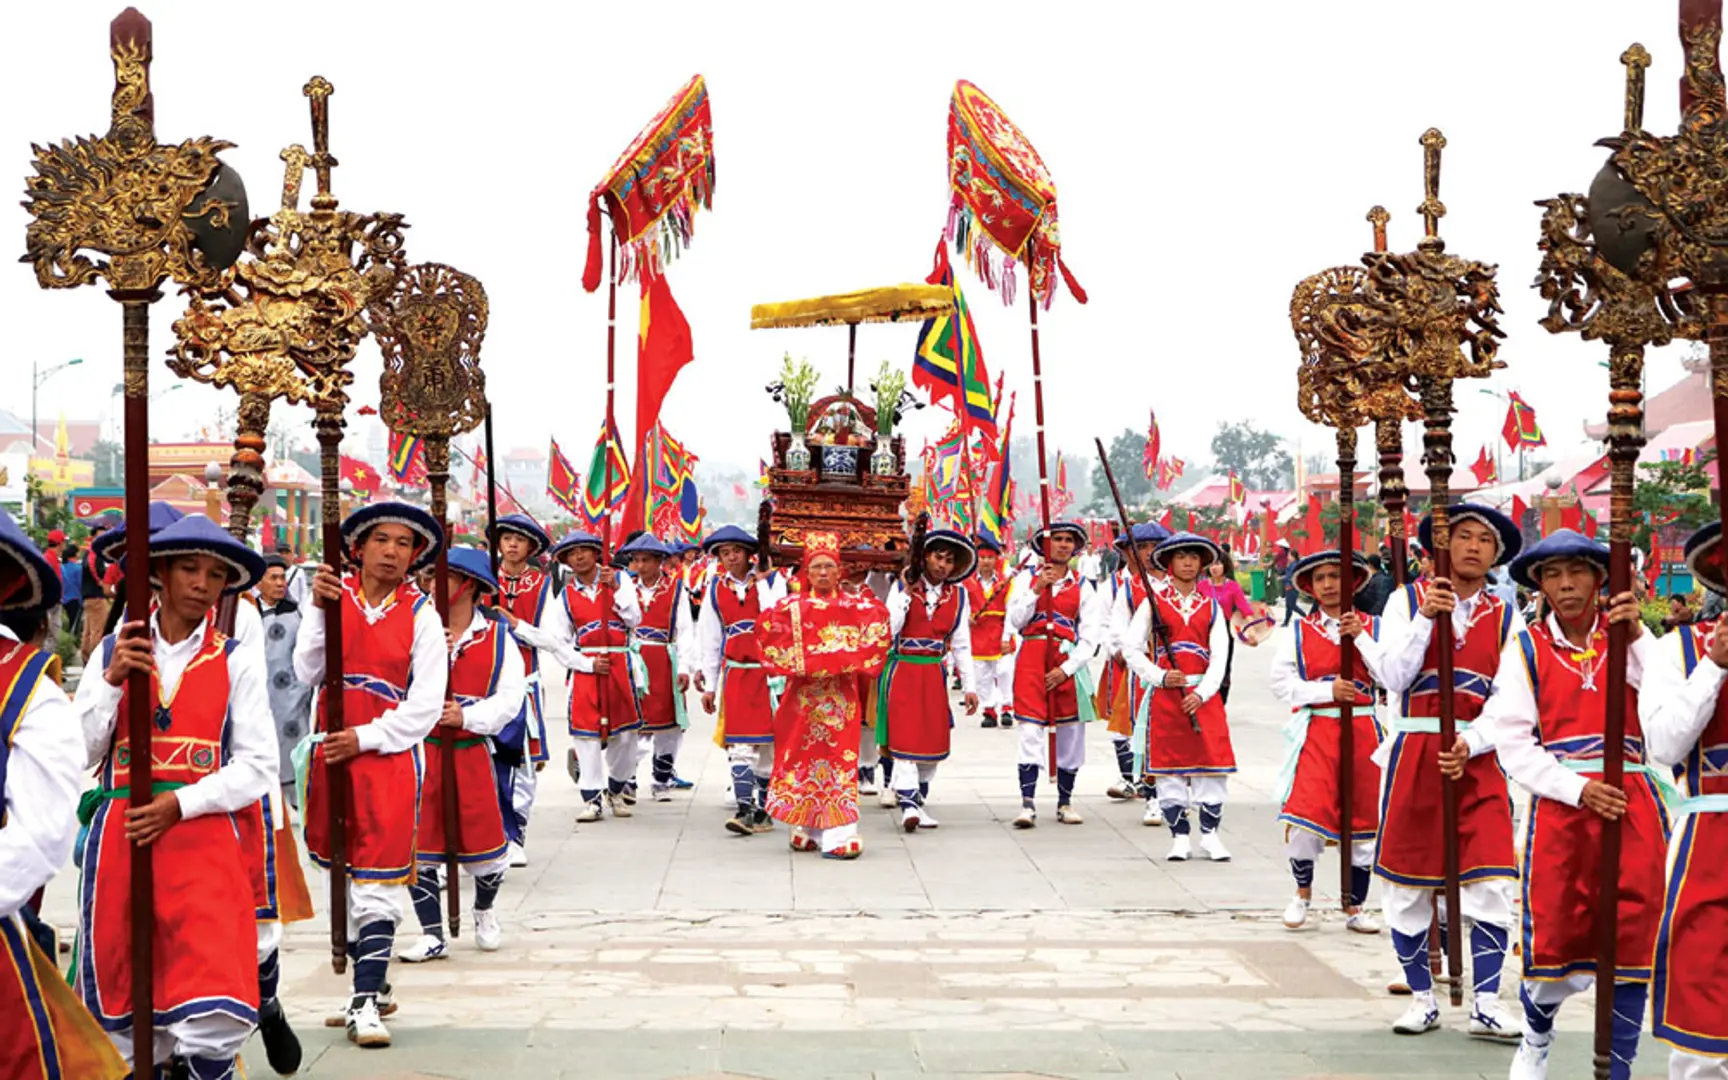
(619, 806)
(888, 800)
(1422, 1015)
(590, 812)
(927, 820)
(1529, 1063)
(1296, 913)
(1214, 847)
(868, 787)
(425, 947)
(1363, 922)
(1121, 790)
(909, 819)
(1067, 815)
(661, 792)
(1491, 1020)
(365, 1026)
(1180, 849)
(518, 854)
(1154, 815)
(1027, 818)
(488, 935)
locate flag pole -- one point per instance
(1046, 601)
(603, 682)
(491, 495)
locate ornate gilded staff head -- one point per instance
(147, 211)
(1339, 339)
(430, 325)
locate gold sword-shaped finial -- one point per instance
(1432, 209)
(1378, 217)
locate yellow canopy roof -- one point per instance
(892, 303)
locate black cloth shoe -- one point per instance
(281, 1045)
(989, 721)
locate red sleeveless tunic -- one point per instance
(383, 789)
(913, 719)
(1040, 649)
(206, 940)
(988, 604)
(525, 596)
(1690, 1006)
(1411, 851)
(656, 639)
(1563, 844)
(1313, 800)
(1173, 745)
(597, 635)
(746, 707)
(474, 674)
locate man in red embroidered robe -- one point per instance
(1685, 719)
(213, 753)
(486, 690)
(992, 645)
(395, 666)
(929, 620)
(821, 639)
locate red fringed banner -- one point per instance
(656, 186)
(1003, 195)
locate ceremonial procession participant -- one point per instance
(486, 689)
(1307, 674)
(45, 1033)
(593, 644)
(395, 661)
(928, 616)
(822, 639)
(992, 645)
(1056, 612)
(213, 752)
(732, 680)
(1181, 729)
(1410, 853)
(1124, 696)
(861, 581)
(1547, 718)
(665, 645)
(290, 699)
(525, 592)
(1685, 724)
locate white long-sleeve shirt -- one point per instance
(399, 729)
(1404, 642)
(43, 779)
(1092, 630)
(1137, 647)
(683, 626)
(560, 636)
(250, 769)
(1674, 708)
(959, 642)
(1509, 718)
(489, 715)
(711, 632)
(1287, 683)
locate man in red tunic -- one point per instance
(731, 677)
(665, 645)
(992, 645)
(821, 639)
(1061, 620)
(486, 689)
(395, 666)
(1124, 690)
(1182, 734)
(1685, 721)
(1546, 718)
(524, 593)
(213, 749)
(929, 620)
(1305, 675)
(594, 645)
(1410, 853)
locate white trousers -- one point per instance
(831, 839)
(907, 779)
(1035, 745)
(269, 939)
(1305, 846)
(495, 866)
(1684, 1066)
(370, 902)
(1409, 911)
(649, 743)
(759, 756)
(995, 679)
(869, 754)
(215, 1036)
(1186, 791)
(522, 789)
(616, 762)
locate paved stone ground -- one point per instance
(664, 947)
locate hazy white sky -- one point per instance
(1207, 156)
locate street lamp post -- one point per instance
(37, 378)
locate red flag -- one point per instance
(1521, 428)
(1519, 510)
(1168, 520)
(1653, 564)
(1483, 469)
(1154, 444)
(738, 490)
(1238, 493)
(1315, 525)
(562, 483)
(1572, 517)
(362, 476)
(663, 347)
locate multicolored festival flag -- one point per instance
(1483, 469)
(1521, 429)
(562, 482)
(1681, 456)
(1154, 445)
(1238, 493)
(407, 459)
(947, 362)
(1170, 470)
(996, 515)
(597, 498)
